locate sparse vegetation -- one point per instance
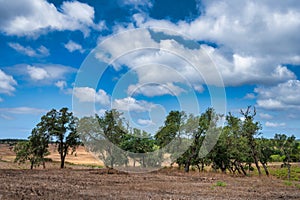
(220, 184)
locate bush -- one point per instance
(277, 158)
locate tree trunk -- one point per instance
(198, 166)
(223, 168)
(63, 155)
(62, 162)
(112, 162)
(289, 170)
(187, 166)
(257, 165)
(32, 163)
(289, 167)
(143, 160)
(265, 168)
(202, 166)
(243, 170)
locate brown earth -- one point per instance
(81, 182)
(164, 184)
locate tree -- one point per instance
(250, 129)
(34, 150)
(111, 127)
(169, 137)
(171, 129)
(236, 144)
(287, 146)
(24, 153)
(61, 125)
(207, 127)
(138, 144)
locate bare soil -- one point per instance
(164, 184)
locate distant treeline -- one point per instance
(11, 141)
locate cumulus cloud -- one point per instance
(47, 73)
(281, 97)
(7, 83)
(87, 94)
(131, 104)
(249, 27)
(253, 39)
(40, 52)
(154, 64)
(73, 46)
(159, 70)
(274, 125)
(30, 18)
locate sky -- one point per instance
(146, 58)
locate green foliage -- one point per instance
(34, 150)
(282, 173)
(277, 158)
(288, 183)
(171, 128)
(220, 184)
(61, 126)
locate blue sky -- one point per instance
(252, 48)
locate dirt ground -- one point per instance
(164, 184)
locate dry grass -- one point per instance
(80, 157)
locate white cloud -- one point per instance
(151, 90)
(254, 38)
(137, 4)
(145, 122)
(199, 88)
(37, 73)
(47, 73)
(72, 46)
(153, 64)
(61, 84)
(265, 116)
(31, 18)
(43, 51)
(87, 94)
(159, 70)
(283, 96)
(101, 112)
(6, 117)
(249, 96)
(7, 83)
(248, 27)
(131, 104)
(23, 110)
(40, 52)
(274, 125)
